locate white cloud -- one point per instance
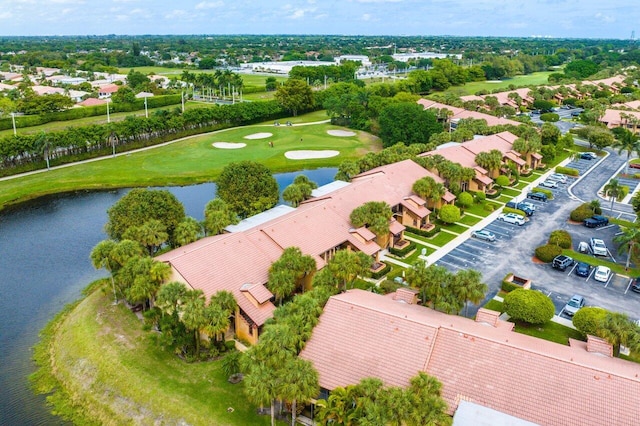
(6, 15)
(176, 13)
(366, 17)
(299, 13)
(605, 18)
(209, 4)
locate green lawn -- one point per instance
(114, 372)
(551, 331)
(520, 80)
(194, 160)
(469, 220)
(411, 259)
(521, 184)
(511, 192)
(494, 305)
(478, 209)
(453, 227)
(441, 238)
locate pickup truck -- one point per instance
(596, 221)
(521, 206)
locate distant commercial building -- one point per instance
(405, 57)
(363, 59)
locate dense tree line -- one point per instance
(28, 152)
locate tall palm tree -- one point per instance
(193, 315)
(188, 231)
(629, 241)
(427, 407)
(301, 383)
(614, 191)
(469, 287)
(626, 141)
(491, 161)
(260, 387)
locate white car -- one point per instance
(549, 183)
(558, 177)
(602, 274)
(516, 219)
(598, 247)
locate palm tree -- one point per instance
(490, 161)
(626, 141)
(618, 329)
(337, 409)
(469, 287)
(426, 406)
(217, 216)
(629, 241)
(429, 189)
(188, 231)
(346, 265)
(260, 387)
(614, 191)
(300, 384)
(193, 314)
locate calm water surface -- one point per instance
(44, 264)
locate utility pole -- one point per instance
(108, 118)
(13, 120)
(146, 111)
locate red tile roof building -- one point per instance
(239, 262)
(460, 113)
(362, 334)
(613, 118)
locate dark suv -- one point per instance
(596, 221)
(562, 262)
(540, 196)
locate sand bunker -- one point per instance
(259, 136)
(342, 133)
(228, 145)
(307, 155)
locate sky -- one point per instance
(549, 18)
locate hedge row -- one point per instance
(516, 211)
(567, 171)
(508, 286)
(548, 192)
(583, 211)
(404, 251)
(494, 195)
(424, 233)
(548, 252)
(561, 238)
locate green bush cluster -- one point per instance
(548, 252)
(403, 251)
(489, 207)
(516, 211)
(502, 181)
(567, 171)
(588, 320)
(479, 196)
(424, 233)
(549, 117)
(530, 306)
(464, 200)
(561, 238)
(582, 212)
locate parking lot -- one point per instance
(513, 252)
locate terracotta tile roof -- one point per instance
(226, 262)
(515, 157)
(486, 180)
(258, 291)
(108, 88)
(448, 197)
(365, 233)
(92, 102)
(419, 210)
(361, 334)
(613, 117)
(419, 201)
(396, 227)
(536, 155)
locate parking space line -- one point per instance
(462, 259)
(590, 273)
(608, 281)
(574, 267)
(628, 285)
(447, 263)
(469, 253)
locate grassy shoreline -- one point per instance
(194, 160)
(98, 366)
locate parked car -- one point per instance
(575, 113)
(598, 247)
(588, 156)
(525, 207)
(540, 196)
(635, 285)
(602, 274)
(549, 183)
(573, 305)
(634, 165)
(529, 205)
(562, 262)
(559, 177)
(583, 269)
(596, 221)
(484, 234)
(512, 218)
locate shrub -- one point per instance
(582, 212)
(561, 238)
(424, 233)
(489, 207)
(549, 117)
(389, 286)
(465, 200)
(479, 196)
(547, 252)
(496, 194)
(449, 214)
(384, 271)
(404, 251)
(530, 306)
(567, 171)
(588, 320)
(545, 191)
(502, 181)
(516, 211)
